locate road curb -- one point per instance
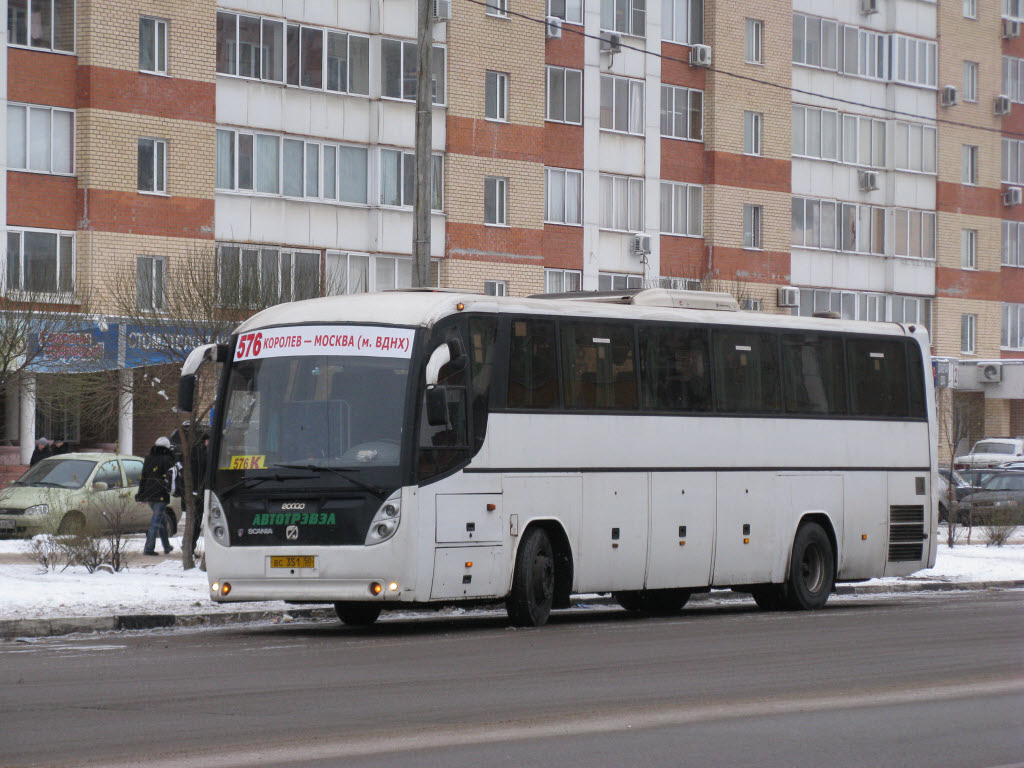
(18, 629)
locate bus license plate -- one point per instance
(292, 561)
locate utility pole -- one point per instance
(424, 142)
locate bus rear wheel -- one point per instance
(654, 602)
(357, 614)
(811, 569)
(533, 582)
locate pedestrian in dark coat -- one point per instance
(199, 469)
(155, 490)
(42, 451)
(60, 447)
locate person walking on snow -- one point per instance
(155, 489)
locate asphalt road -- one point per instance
(932, 680)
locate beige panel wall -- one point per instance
(521, 279)
(946, 319)
(465, 191)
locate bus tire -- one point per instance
(768, 597)
(357, 614)
(811, 569)
(654, 602)
(533, 582)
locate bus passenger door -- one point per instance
(745, 541)
(682, 529)
(613, 538)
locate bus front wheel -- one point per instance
(533, 582)
(357, 614)
(811, 569)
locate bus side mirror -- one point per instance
(186, 393)
(439, 358)
(437, 406)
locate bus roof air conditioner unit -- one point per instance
(1011, 28)
(991, 373)
(641, 245)
(553, 28)
(610, 42)
(700, 55)
(442, 10)
(789, 297)
(1012, 196)
(867, 180)
(948, 96)
(1002, 106)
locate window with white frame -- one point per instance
(616, 281)
(914, 233)
(626, 16)
(849, 305)
(911, 309)
(261, 275)
(562, 280)
(565, 95)
(682, 21)
(752, 41)
(361, 273)
(622, 104)
(968, 249)
(567, 10)
(969, 164)
(682, 113)
(152, 45)
(913, 61)
(1013, 244)
(816, 41)
(752, 122)
(750, 305)
(496, 96)
(1013, 78)
(970, 9)
(752, 226)
(1013, 9)
(152, 166)
(835, 226)
(495, 288)
(497, 8)
(622, 202)
(970, 81)
(1013, 161)
(914, 147)
(398, 179)
(968, 331)
(679, 283)
(40, 261)
(815, 133)
(45, 24)
(40, 139)
(830, 135)
(398, 71)
(563, 196)
(1012, 336)
(150, 272)
(496, 201)
(682, 209)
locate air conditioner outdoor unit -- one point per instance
(868, 6)
(789, 297)
(1012, 196)
(610, 42)
(700, 55)
(991, 373)
(553, 28)
(949, 96)
(442, 10)
(1002, 106)
(641, 244)
(1011, 28)
(867, 180)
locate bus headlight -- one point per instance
(218, 523)
(386, 521)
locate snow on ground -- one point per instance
(159, 585)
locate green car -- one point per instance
(76, 491)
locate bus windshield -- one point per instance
(315, 399)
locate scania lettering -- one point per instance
(420, 448)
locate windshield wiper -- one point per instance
(380, 493)
(248, 482)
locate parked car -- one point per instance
(991, 452)
(1003, 490)
(961, 487)
(976, 477)
(66, 493)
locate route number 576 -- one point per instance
(249, 345)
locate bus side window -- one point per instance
(532, 371)
(443, 447)
(746, 372)
(916, 380)
(878, 376)
(598, 366)
(483, 333)
(674, 362)
(813, 375)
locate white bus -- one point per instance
(423, 448)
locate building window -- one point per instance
(682, 209)
(752, 46)
(970, 9)
(969, 249)
(398, 178)
(752, 226)
(153, 45)
(496, 201)
(1013, 327)
(359, 273)
(1013, 78)
(45, 24)
(750, 305)
(398, 71)
(259, 275)
(613, 281)
(752, 122)
(563, 196)
(562, 280)
(626, 16)
(682, 21)
(914, 233)
(835, 226)
(915, 147)
(1013, 9)
(816, 42)
(1013, 161)
(970, 81)
(348, 63)
(969, 164)
(622, 104)
(622, 203)
(496, 96)
(40, 262)
(569, 10)
(682, 113)
(497, 8)
(495, 288)
(40, 139)
(913, 61)
(149, 283)
(152, 165)
(968, 328)
(1013, 244)
(565, 95)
